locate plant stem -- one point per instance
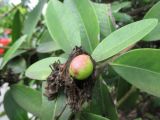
(132, 89)
(58, 116)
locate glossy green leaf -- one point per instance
(153, 13)
(47, 44)
(117, 6)
(33, 18)
(122, 38)
(17, 26)
(11, 51)
(27, 98)
(105, 104)
(12, 109)
(91, 116)
(104, 19)
(141, 68)
(86, 17)
(62, 26)
(41, 70)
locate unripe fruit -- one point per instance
(81, 67)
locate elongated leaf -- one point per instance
(117, 6)
(122, 38)
(123, 17)
(141, 68)
(91, 116)
(27, 98)
(105, 23)
(62, 26)
(8, 55)
(12, 109)
(41, 70)
(105, 104)
(153, 13)
(32, 18)
(47, 106)
(86, 16)
(17, 26)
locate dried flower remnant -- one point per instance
(76, 91)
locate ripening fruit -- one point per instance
(5, 41)
(81, 67)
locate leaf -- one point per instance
(12, 109)
(17, 26)
(141, 68)
(154, 34)
(91, 116)
(62, 26)
(11, 51)
(122, 38)
(123, 17)
(47, 44)
(27, 98)
(105, 104)
(105, 23)
(117, 6)
(33, 18)
(86, 17)
(153, 13)
(41, 70)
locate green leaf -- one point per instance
(122, 38)
(17, 26)
(41, 70)
(117, 6)
(91, 116)
(154, 34)
(123, 17)
(105, 104)
(86, 17)
(141, 68)
(47, 106)
(62, 26)
(153, 13)
(27, 98)
(47, 44)
(105, 23)
(12, 109)
(11, 51)
(32, 19)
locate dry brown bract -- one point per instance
(76, 91)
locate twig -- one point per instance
(132, 89)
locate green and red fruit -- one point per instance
(81, 67)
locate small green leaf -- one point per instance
(11, 51)
(62, 26)
(91, 116)
(86, 18)
(12, 109)
(27, 98)
(33, 18)
(122, 38)
(117, 6)
(47, 44)
(141, 68)
(153, 13)
(122, 17)
(17, 26)
(41, 70)
(104, 19)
